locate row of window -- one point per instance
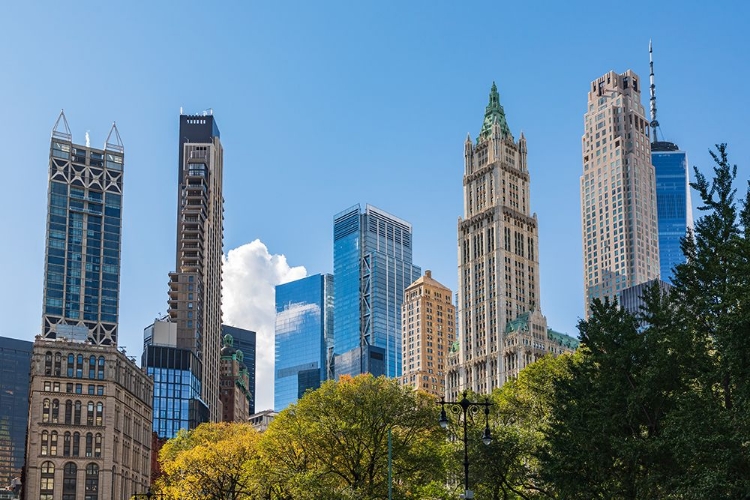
(70, 481)
(50, 386)
(73, 411)
(71, 444)
(76, 365)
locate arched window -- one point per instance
(55, 411)
(92, 366)
(68, 412)
(79, 366)
(45, 410)
(58, 364)
(66, 444)
(45, 443)
(89, 444)
(53, 443)
(70, 471)
(76, 444)
(100, 413)
(47, 482)
(90, 413)
(100, 369)
(92, 482)
(71, 364)
(77, 413)
(98, 445)
(48, 363)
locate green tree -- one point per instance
(333, 443)
(215, 461)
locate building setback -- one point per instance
(15, 365)
(498, 256)
(372, 265)
(303, 337)
(618, 190)
(427, 332)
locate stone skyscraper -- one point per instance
(182, 351)
(618, 195)
(498, 258)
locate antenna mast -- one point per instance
(654, 122)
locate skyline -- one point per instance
(309, 96)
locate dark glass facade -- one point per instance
(244, 340)
(84, 225)
(673, 204)
(15, 363)
(372, 265)
(304, 325)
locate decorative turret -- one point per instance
(494, 114)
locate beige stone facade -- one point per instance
(427, 331)
(89, 433)
(618, 190)
(498, 256)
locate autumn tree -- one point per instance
(215, 461)
(333, 443)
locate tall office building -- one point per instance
(498, 255)
(90, 405)
(84, 223)
(235, 383)
(618, 190)
(674, 207)
(182, 349)
(244, 340)
(372, 252)
(428, 319)
(15, 366)
(303, 337)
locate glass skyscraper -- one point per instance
(304, 337)
(372, 265)
(672, 203)
(84, 224)
(15, 365)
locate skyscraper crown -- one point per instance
(494, 113)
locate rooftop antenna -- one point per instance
(654, 122)
(63, 133)
(114, 142)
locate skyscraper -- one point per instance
(428, 320)
(498, 256)
(235, 383)
(84, 224)
(182, 350)
(89, 404)
(674, 207)
(618, 190)
(304, 337)
(372, 266)
(15, 366)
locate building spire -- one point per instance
(494, 113)
(654, 122)
(61, 130)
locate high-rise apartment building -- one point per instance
(235, 383)
(303, 337)
(618, 189)
(372, 266)
(244, 340)
(89, 405)
(15, 366)
(84, 224)
(674, 207)
(428, 319)
(498, 255)
(182, 351)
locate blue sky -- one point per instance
(325, 104)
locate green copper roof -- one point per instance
(563, 339)
(518, 324)
(494, 113)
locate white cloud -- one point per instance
(250, 276)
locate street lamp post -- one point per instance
(464, 408)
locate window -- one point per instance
(48, 363)
(45, 443)
(66, 444)
(47, 485)
(90, 413)
(79, 366)
(100, 369)
(77, 413)
(100, 390)
(55, 410)
(92, 366)
(89, 444)
(53, 444)
(71, 363)
(76, 444)
(99, 414)
(92, 482)
(45, 410)
(70, 471)
(58, 364)
(98, 445)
